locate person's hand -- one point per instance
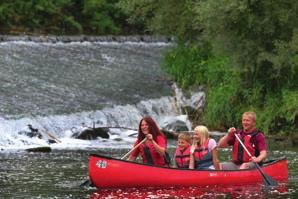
(231, 131)
(149, 137)
(254, 159)
(192, 149)
(244, 165)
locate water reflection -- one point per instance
(252, 191)
(59, 174)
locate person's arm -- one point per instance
(261, 157)
(262, 147)
(174, 162)
(135, 153)
(161, 150)
(254, 159)
(132, 158)
(223, 142)
(192, 158)
(215, 159)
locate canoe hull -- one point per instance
(106, 172)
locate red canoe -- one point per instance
(107, 172)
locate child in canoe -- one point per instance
(203, 152)
(182, 154)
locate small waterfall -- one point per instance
(64, 85)
(64, 126)
(62, 78)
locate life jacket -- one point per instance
(148, 156)
(239, 155)
(151, 156)
(182, 158)
(203, 157)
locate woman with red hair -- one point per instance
(154, 147)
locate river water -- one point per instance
(59, 174)
(42, 79)
(65, 88)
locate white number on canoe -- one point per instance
(101, 164)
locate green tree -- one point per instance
(261, 38)
(252, 62)
(63, 17)
(38, 16)
(99, 16)
(167, 17)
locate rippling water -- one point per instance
(59, 86)
(58, 175)
(65, 88)
(39, 79)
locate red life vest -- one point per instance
(182, 158)
(201, 151)
(203, 157)
(239, 155)
(150, 155)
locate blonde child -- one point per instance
(203, 152)
(182, 154)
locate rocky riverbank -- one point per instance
(84, 38)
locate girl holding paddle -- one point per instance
(151, 143)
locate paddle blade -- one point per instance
(87, 183)
(269, 181)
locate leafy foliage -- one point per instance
(261, 37)
(187, 64)
(167, 17)
(62, 17)
(195, 66)
(98, 16)
(251, 65)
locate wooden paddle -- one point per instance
(129, 152)
(53, 137)
(268, 181)
(89, 183)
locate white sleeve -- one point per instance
(212, 144)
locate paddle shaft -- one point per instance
(268, 179)
(53, 137)
(243, 145)
(129, 152)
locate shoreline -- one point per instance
(86, 38)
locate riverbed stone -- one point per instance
(92, 133)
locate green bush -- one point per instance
(187, 64)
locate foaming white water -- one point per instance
(64, 126)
